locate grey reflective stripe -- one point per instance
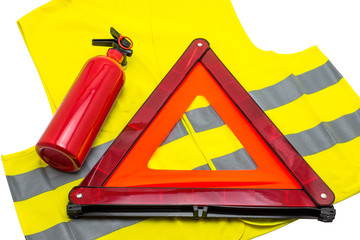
(203, 167)
(277, 95)
(177, 132)
(83, 229)
(40, 180)
(203, 119)
(291, 88)
(238, 160)
(327, 134)
(319, 78)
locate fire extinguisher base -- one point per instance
(59, 159)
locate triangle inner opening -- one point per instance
(201, 140)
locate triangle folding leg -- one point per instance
(121, 184)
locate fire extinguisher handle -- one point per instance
(119, 43)
(104, 42)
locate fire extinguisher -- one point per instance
(68, 138)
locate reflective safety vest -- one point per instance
(302, 93)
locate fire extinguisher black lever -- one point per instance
(119, 42)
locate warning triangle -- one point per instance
(282, 185)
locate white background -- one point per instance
(280, 25)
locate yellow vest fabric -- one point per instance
(302, 93)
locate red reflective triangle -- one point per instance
(122, 182)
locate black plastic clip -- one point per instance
(74, 210)
(204, 212)
(196, 212)
(200, 212)
(327, 214)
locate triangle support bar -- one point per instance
(326, 214)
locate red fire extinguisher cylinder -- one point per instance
(68, 138)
